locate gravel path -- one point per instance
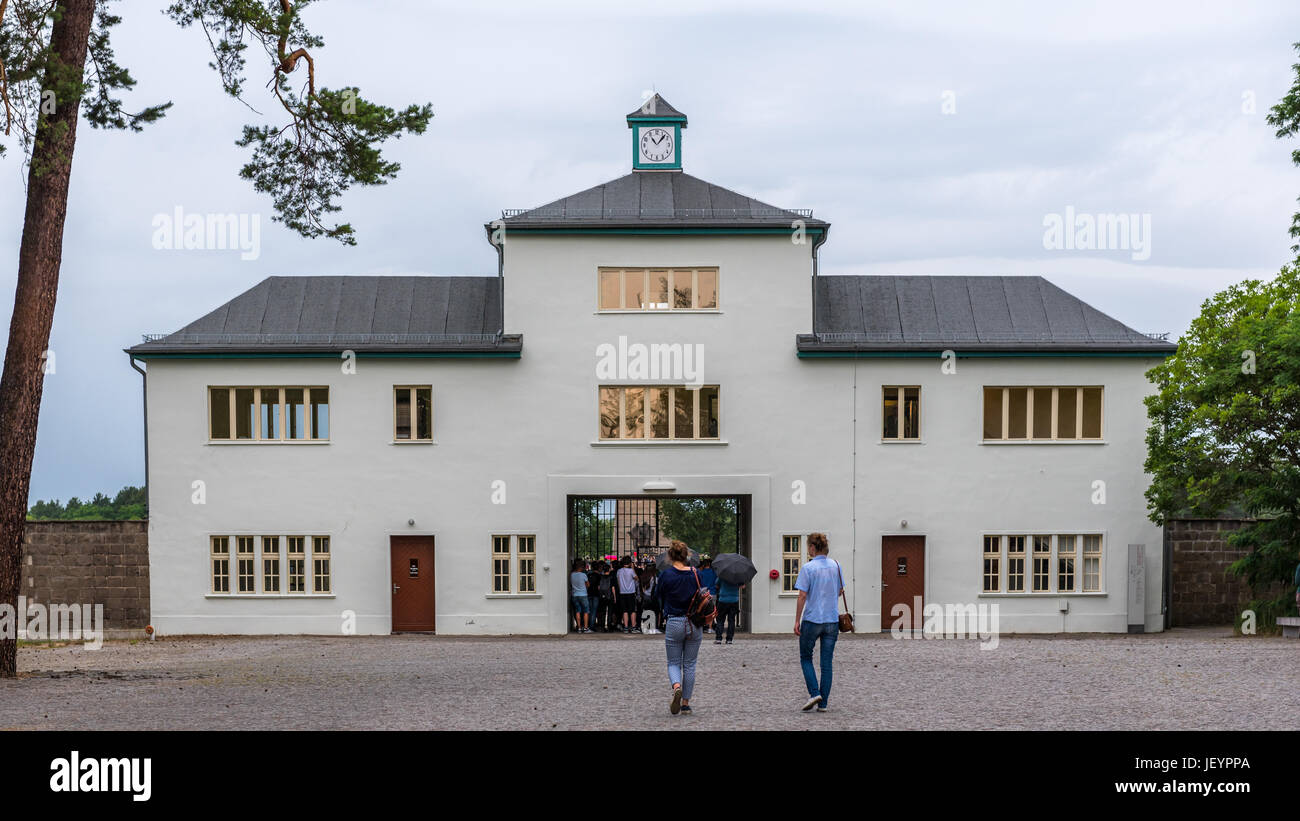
(1181, 679)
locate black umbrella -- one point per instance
(662, 562)
(734, 568)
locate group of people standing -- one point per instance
(614, 598)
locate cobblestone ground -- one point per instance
(1182, 679)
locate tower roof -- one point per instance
(656, 108)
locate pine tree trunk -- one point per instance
(39, 258)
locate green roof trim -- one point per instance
(332, 355)
(981, 354)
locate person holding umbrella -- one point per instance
(734, 572)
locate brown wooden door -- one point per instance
(412, 583)
(902, 578)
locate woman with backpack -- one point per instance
(688, 608)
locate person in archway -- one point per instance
(627, 584)
(677, 586)
(578, 592)
(728, 609)
(817, 616)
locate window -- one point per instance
(901, 413)
(500, 564)
(658, 289)
(1042, 414)
(661, 412)
(413, 413)
(270, 564)
(525, 549)
(1069, 549)
(1042, 564)
(220, 564)
(1091, 564)
(1015, 564)
(268, 414)
(1065, 564)
(297, 564)
(992, 564)
(527, 563)
(791, 556)
(245, 564)
(320, 558)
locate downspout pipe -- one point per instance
(492, 227)
(144, 402)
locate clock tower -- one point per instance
(656, 136)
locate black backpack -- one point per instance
(607, 586)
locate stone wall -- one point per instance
(1202, 591)
(90, 563)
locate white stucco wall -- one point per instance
(532, 423)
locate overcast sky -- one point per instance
(936, 138)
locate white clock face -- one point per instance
(656, 145)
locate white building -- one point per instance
(402, 453)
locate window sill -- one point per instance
(1089, 595)
(643, 443)
(268, 441)
(1042, 441)
(413, 442)
(794, 595)
(268, 595)
(512, 596)
(917, 441)
(660, 311)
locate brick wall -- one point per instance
(1202, 591)
(90, 563)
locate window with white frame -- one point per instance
(901, 412)
(268, 414)
(1015, 564)
(413, 413)
(992, 564)
(320, 558)
(270, 564)
(657, 289)
(1042, 414)
(1064, 563)
(220, 555)
(791, 558)
(246, 564)
(527, 563)
(1091, 563)
(658, 412)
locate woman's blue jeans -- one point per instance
(682, 640)
(809, 632)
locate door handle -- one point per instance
(882, 584)
(395, 589)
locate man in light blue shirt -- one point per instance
(817, 616)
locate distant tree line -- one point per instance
(129, 503)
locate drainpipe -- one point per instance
(501, 266)
(144, 402)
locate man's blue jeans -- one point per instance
(809, 632)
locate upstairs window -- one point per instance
(658, 289)
(413, 413)
(268, 414)
(668, 412)
(901, 413)
(1042, 414)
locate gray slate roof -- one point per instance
(962, 313)
(656, 106)
(360, 313)
(658, 199)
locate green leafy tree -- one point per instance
(57, 65)
(129, 503)
(1286, 117)
(1225, 429)
(593, 536)
(708, 526)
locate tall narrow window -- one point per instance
(634, 413)
(296, 553)
(790, 558)
(320, 413)
(295, 413)
(708, 402)
(527, 564)
(320, 558)
(1065, 564)
(220, 564)
(219, 413)
(270, 564)
(992, 564)
(269, 413)
(245, 414)
(500, 564)
(1015, 564)
(246, 564)
(993, 413)
(1042, 564)
(1092, 564)
(657, 399)
(684, 413)
(611, 400)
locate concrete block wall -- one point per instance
(94, 562)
